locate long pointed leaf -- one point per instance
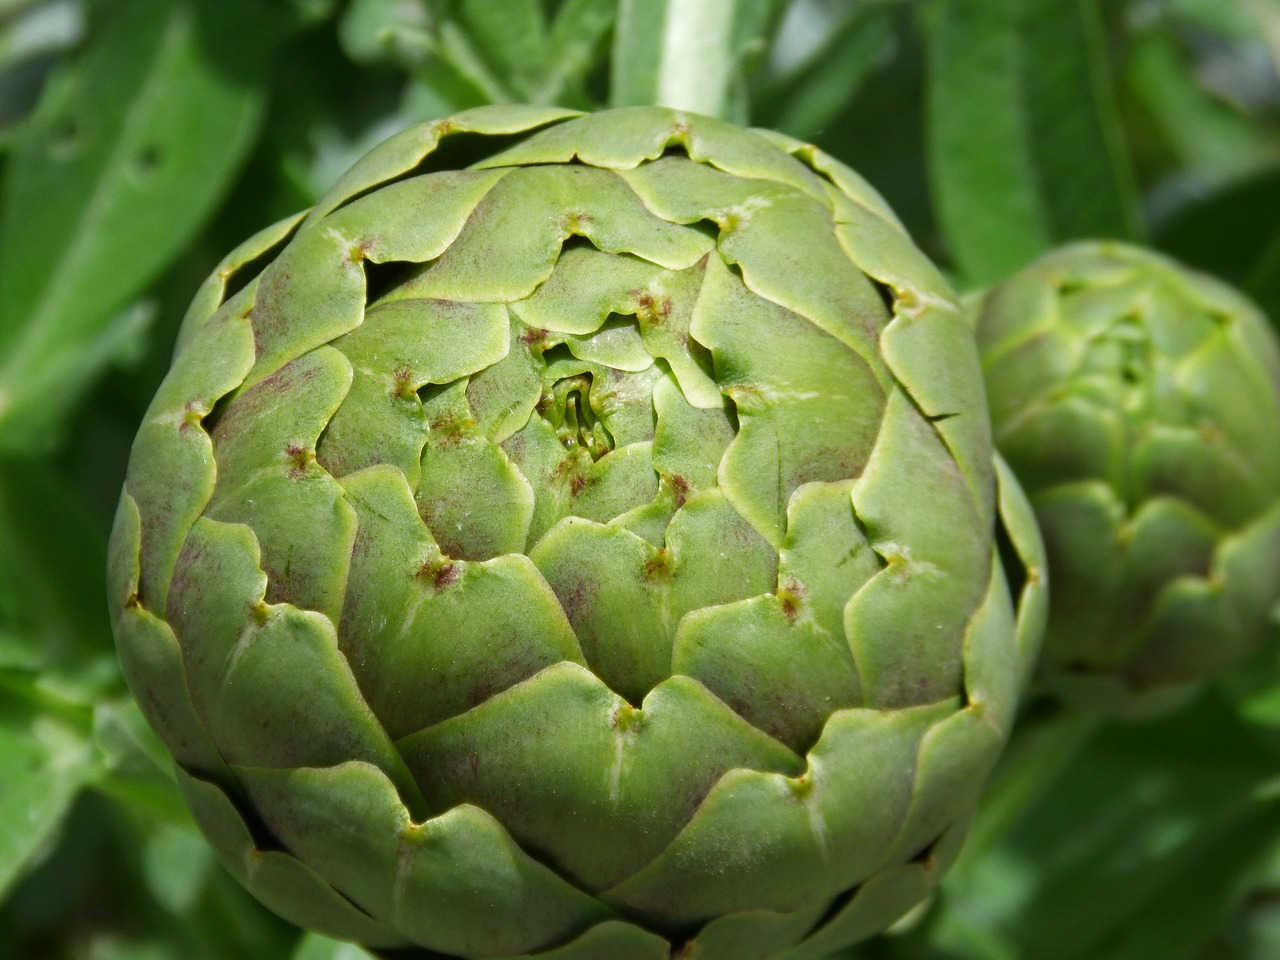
(125, 157)
(1084, 168)
(986, 192)
(1024, 143)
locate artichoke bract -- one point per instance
(1138, 402)
(575, 538)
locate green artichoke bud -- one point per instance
(573, 539)
(1138, 402)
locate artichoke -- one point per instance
(575, 538)
(1138, 402)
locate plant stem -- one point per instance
(675, 53)
(698, 61)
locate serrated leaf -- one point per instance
(125, 156)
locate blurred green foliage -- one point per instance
(141, 139)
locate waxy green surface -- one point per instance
(586, 553)
(1138, 402)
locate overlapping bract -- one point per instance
(579, 553)
(1138, 402)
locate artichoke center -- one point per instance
(577, 423)
(1132, 347)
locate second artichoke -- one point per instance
(1138, 402)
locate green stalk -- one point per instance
(676, 53)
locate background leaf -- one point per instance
(822, 53)
(126, 155)
(47, 760)
(1234, 233)
(52, 554)
(1076, 144)
(1024, 144)
(988, 195)
(316, 947)
(1143, 847)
